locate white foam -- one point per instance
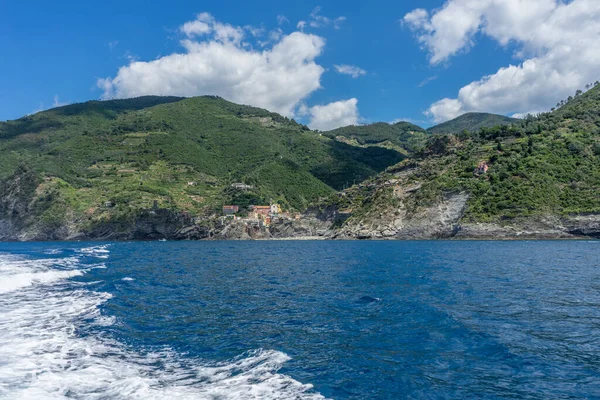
(52, 251)
(17, 273)
(43, 355)
(128, 279)
(96, 251)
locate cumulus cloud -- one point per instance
(557, 44)
(351, 70)
(200, 26)
(216, 61)
(334, 115)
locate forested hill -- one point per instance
(472, 122)
(540, 175)
(402, 136)
(183, 153)
(92, 168)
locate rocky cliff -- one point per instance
(392, 206)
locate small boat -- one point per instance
(162, 240)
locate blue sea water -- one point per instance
(300, 320)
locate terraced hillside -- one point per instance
(100, 161)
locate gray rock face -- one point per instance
(437, 222)
(158, 224)
(583, 225)
(6, 230)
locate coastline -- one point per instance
(322, 239)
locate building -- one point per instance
(242, 186)
(275, 209)
(261, 212)
(482, 168)
(230, 210)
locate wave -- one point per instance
(17, 273)
(96, 251)
(44, 355)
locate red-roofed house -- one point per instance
(230, 210)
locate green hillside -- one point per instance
(182, 153)
(545, 165)
(402, 136)
(472, 122)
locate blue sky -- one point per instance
(409, 59)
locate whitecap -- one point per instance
(44, 355)
(17, 273)
(53, 251)
(95, 251)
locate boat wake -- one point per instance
(48, 352)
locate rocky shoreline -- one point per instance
(171, 226)
(395, 221)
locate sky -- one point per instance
(326, 63)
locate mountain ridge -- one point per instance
(105, 161)
(472, 121)
(163, 167)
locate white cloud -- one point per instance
(427, 80)
(445, 109)
(334, 115)
(318, 21)
(351, 70)
(58, 103)
(281, 20)
(254, 31)
(557, 42)
(277, 78)
(205, 24)
(55, 103)
(196, 28)
(337, 23)
(301, 25)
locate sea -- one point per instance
(300, 320)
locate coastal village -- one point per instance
(256, 216)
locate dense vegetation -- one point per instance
(183, 153)
(472, 122)
(544, 165)
(401, 136)
(104, 161)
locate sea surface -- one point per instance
(300, 320)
